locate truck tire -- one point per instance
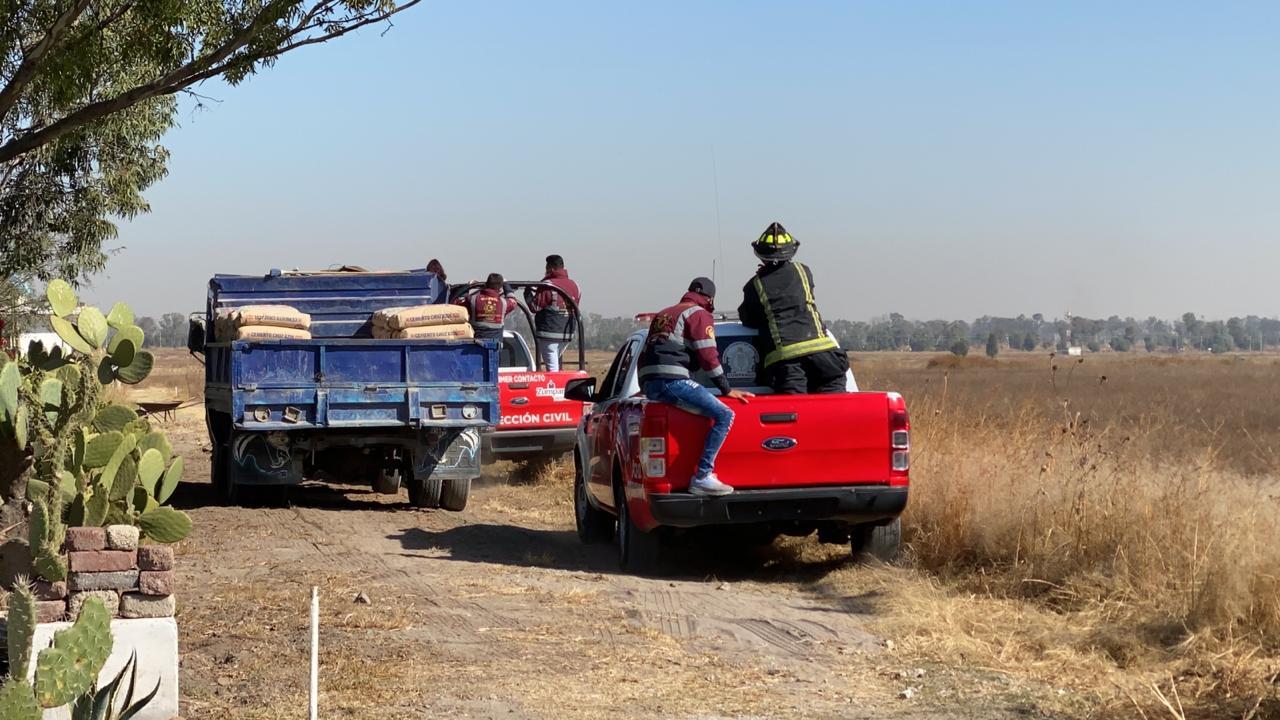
(594, 526)
(877, 542)
(638, 551)
(455, 494)
(425, 491)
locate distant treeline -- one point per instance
(895, 332)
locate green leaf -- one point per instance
(150, 468)
(61, 297)
(70, 376)
(138, 370)
(10, 379)
(70, 335)
(164, 524)
(171, 479)
(122, 355)
(113, 417)
(121, 316)
(92, 326)
(133, 333)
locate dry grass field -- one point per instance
(1103, 536)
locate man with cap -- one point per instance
(797, 355)
(682, 340)
(489, 306)
(553, 321)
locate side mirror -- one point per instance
(581, 389)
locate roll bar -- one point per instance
(460, 289)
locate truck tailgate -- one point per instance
(535, 400)
(780, 441)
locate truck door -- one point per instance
(602, 425)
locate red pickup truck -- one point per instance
(837, 465)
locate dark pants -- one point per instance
(822, 372)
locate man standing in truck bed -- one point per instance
(488, 307)
(797, 355)
(552, 320)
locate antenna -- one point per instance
(715, 184)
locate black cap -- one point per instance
(703, 286)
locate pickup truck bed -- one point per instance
(833, 464)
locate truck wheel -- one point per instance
(455, 494)
(877, 542)
(638, 551)
(425, 492)
(594, 526)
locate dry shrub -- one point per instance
(953, 362)
(1133, 529)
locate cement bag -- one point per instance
(420, 316)
(281, 316)
(436, 332)
(267, 332)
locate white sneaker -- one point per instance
(709, 486)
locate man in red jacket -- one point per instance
(489, 307)
(553, 322)
(682, 340)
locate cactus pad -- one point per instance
(126, 479)
(10, 379)
(61, 297)
(170, 481)
(51, 398)
(156, 439)
(21, 627)
(92, 326)
(113, 417)
(18, 701)
(70, 668)
(121, 316)
(108, 476)
(95, 509)
(123, 352)
(130, 332)
(70, 375)
(138, 370)
(150, 468)
(100, 449)
(165, 525)
(142, 501)
(69, 335)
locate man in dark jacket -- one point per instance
(797, 355)
(682, 340)
(489, 306)
(553, 322)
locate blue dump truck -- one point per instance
(343, 406)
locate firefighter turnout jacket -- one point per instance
(488, 310)
(552, 321)
(779, 303)
(682, 339)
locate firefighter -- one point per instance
(797, 355)
(489, 306)
(552, 320)
(682, 339)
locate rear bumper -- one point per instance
(515, 444)
(852, 504)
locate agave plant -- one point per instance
(105, 704)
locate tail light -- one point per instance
(653, 447)
(899, 441)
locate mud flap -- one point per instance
(448, 454)
(264, 458)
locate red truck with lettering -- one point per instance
(537, 424)
(836, 465)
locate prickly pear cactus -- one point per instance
(70, 667)
(18, 701)
(21, 628)
(164, 524)
(46, 533)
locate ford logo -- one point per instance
(779, 444)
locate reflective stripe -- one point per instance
(702, 344)
(677, 330)
(486, 325)
(768, 312)
(664, 370)
(808, 299)
(558, 337)
(717, 372)
(800, 349)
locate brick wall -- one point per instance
(134, 581)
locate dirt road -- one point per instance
(499, 612)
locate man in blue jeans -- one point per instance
(681, 339)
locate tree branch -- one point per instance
(31, 61)
(203, 68)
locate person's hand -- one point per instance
(740, 395)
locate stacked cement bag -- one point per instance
(263, 322)
(422, 322)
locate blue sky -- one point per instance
(934, 159)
